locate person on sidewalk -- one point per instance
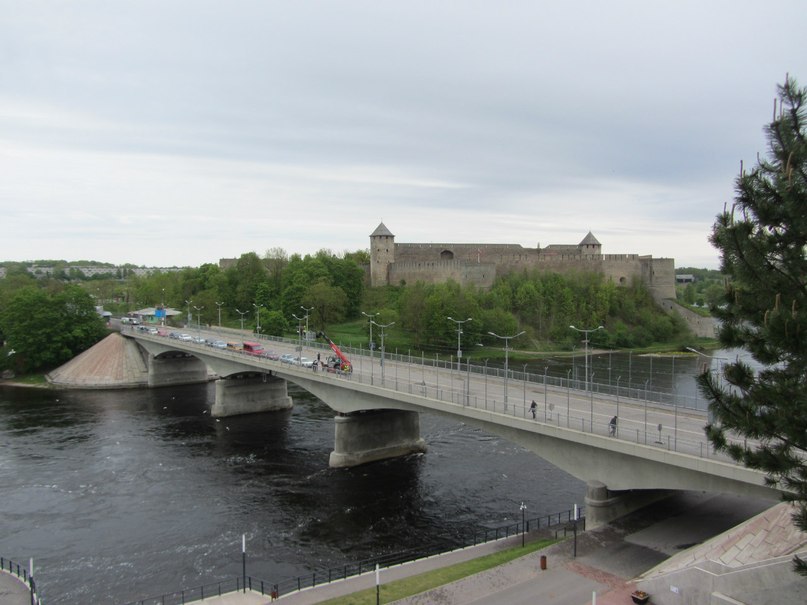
(533, 407)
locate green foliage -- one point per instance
(762, 241)
(542, 304)
(46, 330)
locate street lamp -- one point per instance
(307, 311)
(162, 303)
(199, 319)
(218, 304)
(370, 316)
(242, 313)
(523, 509)
(257, 317)
(300, 321)
(459, 323)
(190, 317)
(585, 341)
(506, 340)
(382, 326)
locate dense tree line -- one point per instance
(544, 305)
(43, 327)
(277, 291)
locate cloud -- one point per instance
(178, 133)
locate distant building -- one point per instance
(394, 263)
(684, 278)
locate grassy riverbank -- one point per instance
(407, 587)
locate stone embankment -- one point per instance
(114, 363)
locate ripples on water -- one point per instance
(118, 495)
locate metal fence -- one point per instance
(23, 574)
(318, 577)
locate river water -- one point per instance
(118, 495)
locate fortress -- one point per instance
(478, 264)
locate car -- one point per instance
(186, 337)
(153, 331)
(199, 340)
(174, 335)
(305, 362)
(218, 344)
(271, 355)
(287, 358)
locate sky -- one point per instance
(176, 133)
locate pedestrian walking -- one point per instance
(533, 407)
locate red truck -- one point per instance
(253, 348)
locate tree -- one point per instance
(46, 330)
(762, 241)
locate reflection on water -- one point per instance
(121, 494)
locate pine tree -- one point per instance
(763, 240)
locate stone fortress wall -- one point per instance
(479, 264)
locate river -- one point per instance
(118, 495)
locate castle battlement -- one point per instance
(479, 264)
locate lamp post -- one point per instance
(383, 327)
(190, 317)
(199, 319)
(585, 341)
(307, 311)
(370, 316)
(257, 317)
(218, 304)
(506, 340)
(242, 313)
(459, 323)
(523, 508)
(162, 303)
(244, 562)
(300, 321)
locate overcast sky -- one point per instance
(168, 133)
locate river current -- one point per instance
(119, 495)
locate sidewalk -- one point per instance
(607, 560)
(13, 591)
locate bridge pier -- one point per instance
(173, 369)
(604, 505)
(249, 394)
(375, 435)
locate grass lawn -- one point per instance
(439, 577)
(34, 380)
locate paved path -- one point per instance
(607, 560)
(13, 591)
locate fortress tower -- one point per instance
(479, 264)
(382, 255)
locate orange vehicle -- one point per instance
(340, 362)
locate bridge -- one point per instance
(654, 448)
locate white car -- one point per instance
(186, 337)
(304, 361)
(287, 358)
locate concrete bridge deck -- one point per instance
(656, 447)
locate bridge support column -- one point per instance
(250, 394)
(375, 435)
(167, 370)
(604, 505)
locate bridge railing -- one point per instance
(440, 379)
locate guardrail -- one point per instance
(23, 574)
(559, 520)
